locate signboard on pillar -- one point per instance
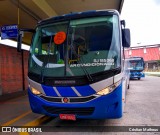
(9, 31)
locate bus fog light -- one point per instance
(35, 91)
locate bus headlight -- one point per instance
(104, 91)
(109, 89)
(35, 91)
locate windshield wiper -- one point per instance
(80, 61)
(89, 77)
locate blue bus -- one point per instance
(137, 66)
(76, 65)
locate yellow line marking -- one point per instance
(38, 121)
(16, 119)
(35, 122)
(24, 133)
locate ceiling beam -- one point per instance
(121, 5)
(26, 10)
(45, 7)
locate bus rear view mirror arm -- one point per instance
(20, 35)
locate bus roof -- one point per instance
(135, 58)
(77, 15)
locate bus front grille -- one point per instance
(72, 99)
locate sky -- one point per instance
(143, 19)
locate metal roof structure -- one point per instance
(26, 13)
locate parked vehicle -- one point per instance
(75, 65)
(136, 67)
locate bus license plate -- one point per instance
(67, 117)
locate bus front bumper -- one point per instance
(136, 75)
(101, 107)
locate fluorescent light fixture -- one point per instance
(12, 43)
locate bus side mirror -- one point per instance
(19, 38)
(126, 38)
(19, 41)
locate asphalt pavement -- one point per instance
(142, 109)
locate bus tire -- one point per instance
(128, 86)
(139, 78)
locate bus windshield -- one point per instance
(136, 65)
(91, 43)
